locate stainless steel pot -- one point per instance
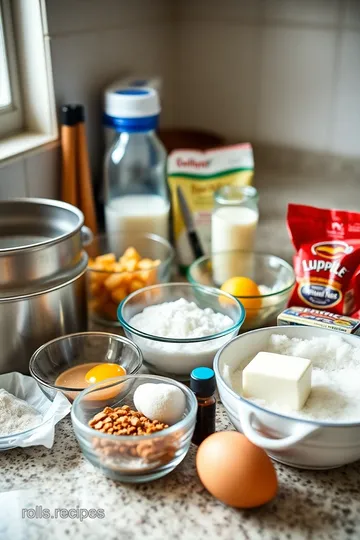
(36, 314)
(38, 239)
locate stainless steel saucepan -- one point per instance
(35, 314)
(39, 238)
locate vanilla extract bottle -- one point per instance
(202, 383)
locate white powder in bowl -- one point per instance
(180, 320)
(16, 415)
(335, 386)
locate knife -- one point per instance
(189, 224)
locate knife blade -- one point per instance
(189, 224)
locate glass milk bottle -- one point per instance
(136, 196)
(233, 229)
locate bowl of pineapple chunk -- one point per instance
(120, 265)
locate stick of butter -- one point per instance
(277, 378)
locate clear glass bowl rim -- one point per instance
(123, 339)
(148, 236)
(184, 422)
(285, 264)
(201, 288)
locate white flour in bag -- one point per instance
(16, 415)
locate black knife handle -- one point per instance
(195, 244)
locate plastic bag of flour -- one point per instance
(193, 178)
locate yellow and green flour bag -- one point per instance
(193, 178)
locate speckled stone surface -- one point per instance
(313, 505)
(310, 505)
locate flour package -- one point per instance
(193, 178)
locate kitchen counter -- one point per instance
(314, 505)
(310, 504)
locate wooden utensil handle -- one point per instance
(86, 197)
(68, 145)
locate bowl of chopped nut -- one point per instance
(142, 431)
(119, 266)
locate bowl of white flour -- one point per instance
(179, 326)
(325, 433)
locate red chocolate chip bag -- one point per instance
(327, 260)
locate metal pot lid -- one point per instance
(44, 286)
(30, 224)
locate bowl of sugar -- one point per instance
(179, 326)
(321, 434)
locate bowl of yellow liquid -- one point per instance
(260, 281)
(74, 362)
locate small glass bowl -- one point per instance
(104, 294)
(274, 277)
(177, 357)
(65, 352)
(132, 459)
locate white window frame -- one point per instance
(11, 119)
(29, 61)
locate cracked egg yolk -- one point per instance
(104, 371)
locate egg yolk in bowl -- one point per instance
(104, 371)
(243, 287)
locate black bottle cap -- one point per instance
(202, 381)
(81, 113)
(70, 115)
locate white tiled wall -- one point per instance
(36, 175)
(346, 126)
(276, 71)
(94, 42)
(13, 180)
(295, 100)
(42, 171)
(105, 40)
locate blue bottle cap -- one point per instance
(134, 109)
(202, 381)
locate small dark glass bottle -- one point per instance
(202, 383)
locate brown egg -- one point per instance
(235, 471)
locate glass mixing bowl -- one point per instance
(65, 352)
(177, 357)
(274, 277)
(131, 458)
(107, 288)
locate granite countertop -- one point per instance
(321, 505)
(314, 505)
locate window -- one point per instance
(27, 117)
(10, 106)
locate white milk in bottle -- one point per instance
(136, 197)
(233, 229)
(137, 214)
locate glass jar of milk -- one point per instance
(233, 228)
(136, 196)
